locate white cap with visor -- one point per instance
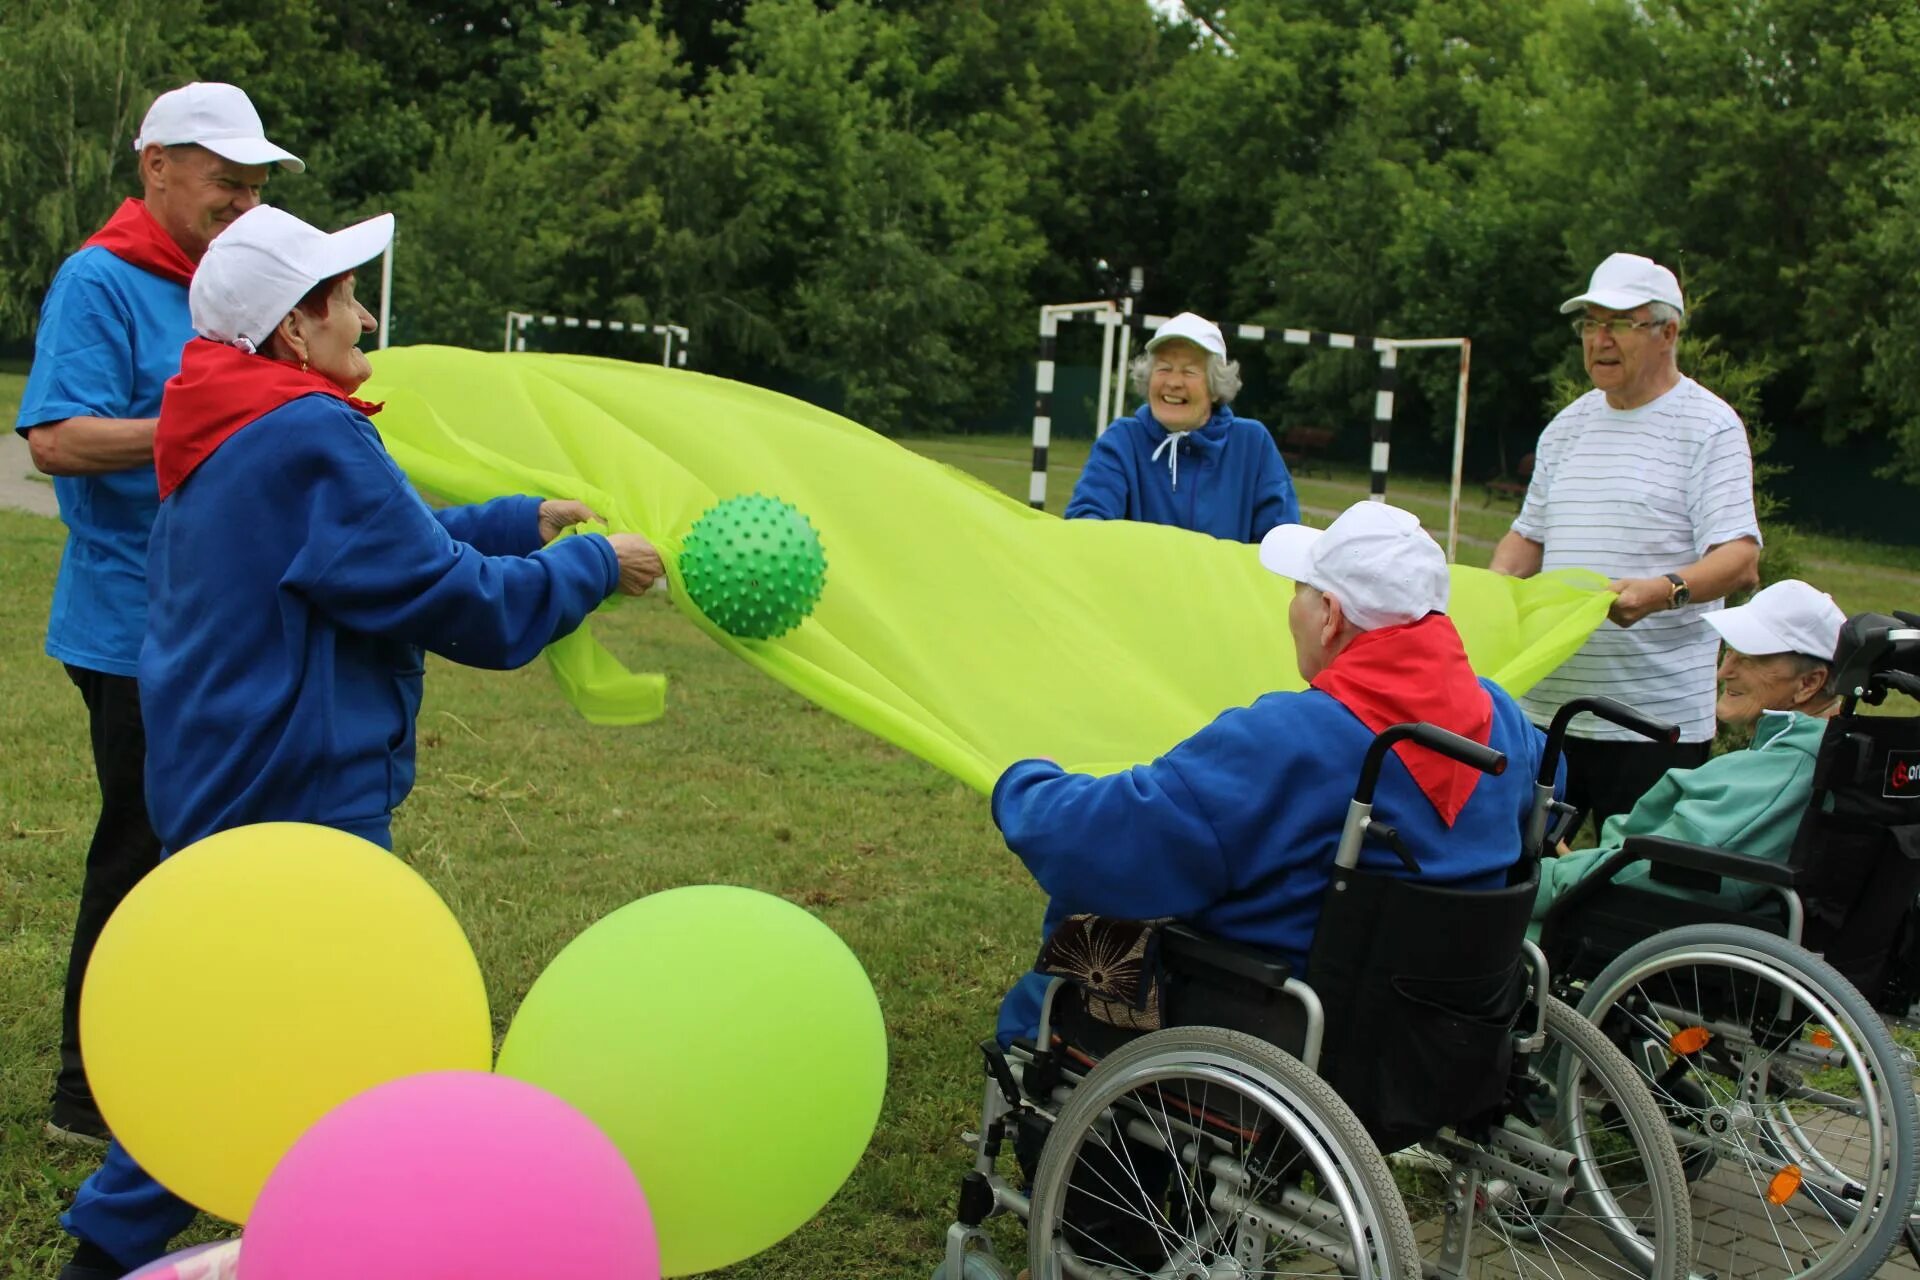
(1376, 560)
(264, 263)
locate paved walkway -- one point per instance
(21, 487)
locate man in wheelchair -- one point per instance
(1234, 830)
(1777, 682)
(1284, 1048)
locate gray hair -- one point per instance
(1804, 663)
(1662, 312)
(1223, 376)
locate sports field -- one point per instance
(532, 824)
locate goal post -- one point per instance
(1113, 391)
(674, 338)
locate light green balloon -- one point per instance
(730, 1045)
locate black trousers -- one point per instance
(1605, 778)
(124, 847)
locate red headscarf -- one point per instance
(219, 390)
(1416, 672)
(135, 237)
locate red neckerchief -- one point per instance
(1416, 672)
(135, 237)
(219, 390)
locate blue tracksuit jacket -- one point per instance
(1232, 482)
(1235, 829)
(295, 579)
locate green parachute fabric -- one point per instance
(957, 623)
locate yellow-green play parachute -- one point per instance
(957, 623)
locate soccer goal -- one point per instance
(1120, 324)
(674, 338)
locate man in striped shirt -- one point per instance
(1648, 479)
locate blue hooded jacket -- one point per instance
(1235, 829)
(294, 579)
(1225, 478)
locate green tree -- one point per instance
(468, 242)
(75, 80)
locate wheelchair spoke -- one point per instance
(1769, 1068)
(1592, 1189)
(1160, 1167)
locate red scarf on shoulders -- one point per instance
(219, 390)
(135, 237)
(1416, 672)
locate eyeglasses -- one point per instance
(1619, 327)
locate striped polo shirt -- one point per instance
(1637, 493)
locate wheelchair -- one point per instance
(1762, 1029)
(1193, 1110)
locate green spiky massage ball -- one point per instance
(754, 566)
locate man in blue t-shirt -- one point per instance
(111, 331)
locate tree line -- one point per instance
(870, 200)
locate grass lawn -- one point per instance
(532, 824)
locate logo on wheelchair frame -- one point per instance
(1903, 775)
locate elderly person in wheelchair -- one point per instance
(1749, 956)
(1178, 1098)
(1776, 682)
(1234, 829)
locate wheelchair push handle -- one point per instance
(1360, 826)
(1433, 738)
(1607, 709)
(1901, 682)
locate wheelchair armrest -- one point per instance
(1699, 857)
(1237, 958)
(1674, 853)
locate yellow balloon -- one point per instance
(254, 981)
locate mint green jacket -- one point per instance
(1749, 801)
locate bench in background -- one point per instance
(1514, 487)
(1305, 449)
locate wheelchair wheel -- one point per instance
(978, 1266)
(1791, 1105)
(1196, 1153)
(1581, 1178)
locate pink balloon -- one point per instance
(454, 1175)
(213, 1261)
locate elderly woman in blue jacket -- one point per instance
(1183, 458)
(295, 583)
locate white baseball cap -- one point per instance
(264, 263)
(218, 117)
(1787, 617)
(1198, 330)
(1374, 559)
(1625, 281)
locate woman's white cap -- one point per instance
(265, 262)
(1787, 617)
(1200, 331)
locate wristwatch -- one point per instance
(1679, 593)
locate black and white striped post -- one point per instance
(1383, 388)
(1386, 383)
(1043, 408)
(670, 354)
(1051, 317)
